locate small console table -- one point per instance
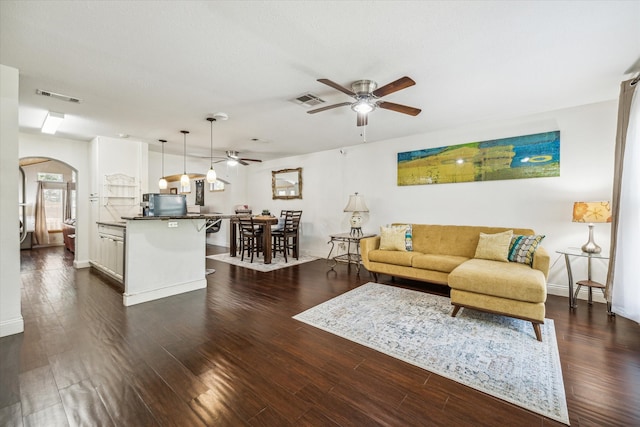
(573, 297)
(352, 256)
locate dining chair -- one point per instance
(249, 237)
(286, 238)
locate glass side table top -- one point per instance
(578, 252)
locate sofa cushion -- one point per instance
(393, 238)
(392, 257)
(494, 246)
(443, 263)
(460, 240)
(522, 248)
(506, 280)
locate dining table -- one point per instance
(264, 222)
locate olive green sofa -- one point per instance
(444, 254)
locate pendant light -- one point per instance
(162, 183)
(211, 173)
(185, 182)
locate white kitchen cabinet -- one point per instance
(109, 257)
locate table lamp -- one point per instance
(591, 212)
(357, 206)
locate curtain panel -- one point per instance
(622, 287)
(41, 232)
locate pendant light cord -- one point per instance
(185, 132)
(211, 151)
(211, 120)
(163, 142)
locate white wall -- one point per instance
(587, 139)
(11, 321)
(587, 136)
(76, 155)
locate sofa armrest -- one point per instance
(366, 245)
(541, 261)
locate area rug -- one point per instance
(277, 262)
(497, 355)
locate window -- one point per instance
(50, 177)
(53, 193)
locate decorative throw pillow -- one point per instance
(522, 248)
(494, 246)
(408, 238)
(393, 238)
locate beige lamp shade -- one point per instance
(591, 212)
(356, 204)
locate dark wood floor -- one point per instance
(231, 355)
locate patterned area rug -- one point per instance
(495, 354)
(258, 264)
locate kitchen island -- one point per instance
(165, 256)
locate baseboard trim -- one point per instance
(12, 326)
(563, 291)
(81, 264)
(133, 299)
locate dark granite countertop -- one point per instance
(188, 216)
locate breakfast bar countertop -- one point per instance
(189, 216)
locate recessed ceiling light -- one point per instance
(123, 135)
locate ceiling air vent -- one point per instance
(58, 96)
(308, 100)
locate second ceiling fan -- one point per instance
(234, 157)
(367, 94)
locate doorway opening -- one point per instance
(47, 204)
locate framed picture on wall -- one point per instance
(200, 193)
(173, 190)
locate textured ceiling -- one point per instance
(150, 69)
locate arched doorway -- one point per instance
(48, 200)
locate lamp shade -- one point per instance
(356, 204)
(591, 212)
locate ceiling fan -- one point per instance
(367, 94)
(233, 158)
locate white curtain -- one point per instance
(41, 232)
(625, 292)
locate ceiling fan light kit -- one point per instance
(366, 94)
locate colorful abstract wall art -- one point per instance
(528, 156)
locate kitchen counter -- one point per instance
(188, 216)
(113, 223)
(164, 256)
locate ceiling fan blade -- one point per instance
(328, 107)
(362, 119)
(242, 162)
(401, 83)
(336, 86)
(251, 160)
(399, 108)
